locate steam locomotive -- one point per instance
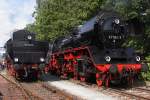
(94, 52)
(25, 55)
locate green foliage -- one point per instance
(129, 8)
(146, 76)
(57, 17)
(31, 27)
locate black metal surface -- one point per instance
(120, 55)
(22, 35)
(27, 51)
(29, 57)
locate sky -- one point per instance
(14, 14)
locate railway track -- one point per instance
(25, 93)
(39, 90)
(28, 91)
(60, 92)
(45, 92)
(143, 89)
(136, 93)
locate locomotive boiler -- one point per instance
(25, 54)
(94, 51)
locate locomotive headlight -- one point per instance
(42, 59)
(117, 21)
(16, 59)
(29, 37)
(108, 58)
(138, 58)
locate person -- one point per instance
(1, 67)
(3, 64)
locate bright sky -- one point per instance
(14, 14)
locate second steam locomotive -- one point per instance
(94, 52)
(25, 54)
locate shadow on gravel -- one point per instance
(27, 80)
(136, 83)
(48, 77)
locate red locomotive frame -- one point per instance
(101, 74)
(21, 72)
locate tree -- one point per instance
(57, 17)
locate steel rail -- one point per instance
(27, 94)
(121, 91)
(129, 94)
(60, 92)
(142, 89)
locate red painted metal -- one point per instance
(102, 74)
(98, 80)
(105, 67)
(20, 72)
(82, 78)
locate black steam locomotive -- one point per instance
(94, 51)
(25, 54)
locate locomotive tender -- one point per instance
(93, 51)
(25, 54)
